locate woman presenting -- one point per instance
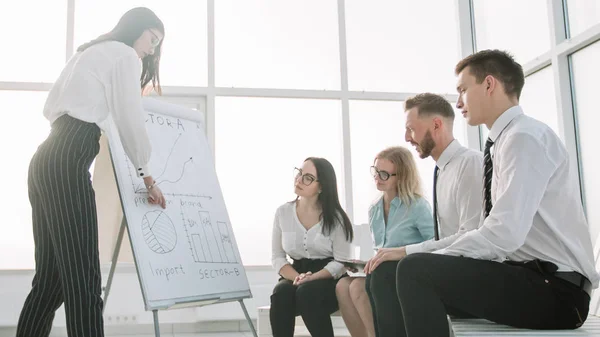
(104, 80)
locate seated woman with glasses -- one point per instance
(314, 231)
(401, 216)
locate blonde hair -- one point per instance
(409, 182)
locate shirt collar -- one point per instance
(395, 202)
(503, 120)
(449, 152)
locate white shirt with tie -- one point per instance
(536, 205)
(459, 196)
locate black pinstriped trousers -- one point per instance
(65, 232)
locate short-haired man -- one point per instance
(530, 263)
(457, 197)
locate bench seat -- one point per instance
(461, 327)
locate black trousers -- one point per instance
(430, 286)
(65, 233)
(315, 301)
(381, 289)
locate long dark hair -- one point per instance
(129, 28)
(333, 213)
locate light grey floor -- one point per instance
(211, 334)
(299, 332)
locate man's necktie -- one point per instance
(435, 210)
(487, 178)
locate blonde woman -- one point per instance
(400, 217)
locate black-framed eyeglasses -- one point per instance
(383, 175)
(155, 41)
(307, 178)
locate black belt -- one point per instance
(577, 279)
(549, 268)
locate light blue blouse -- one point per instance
(407, 224)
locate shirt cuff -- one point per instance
(143, 171)
(336, 269)
(441, 252)
(279, 263)
(415, 248)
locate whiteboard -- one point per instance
(187, 252)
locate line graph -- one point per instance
(161, 182)
(142, 188)
(169, 157)
(172, 173)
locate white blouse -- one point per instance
(290, 238)
(104, 81)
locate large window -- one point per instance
(277, 44)
(538, 100)
(373, 127)
(402, 45)
(520, 27)
(586, 70)
(258, 143)
(292, 48)
(24, 129)
(583, 14)
(33, 40)
(184, 54)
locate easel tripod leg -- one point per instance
(113, 264)
(248, 318)
(156, 326)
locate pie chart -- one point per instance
(159, 232)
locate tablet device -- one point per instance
(354, 265)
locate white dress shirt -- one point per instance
(103, 82)
(292, 239)
(459, 196)
(536, 205)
